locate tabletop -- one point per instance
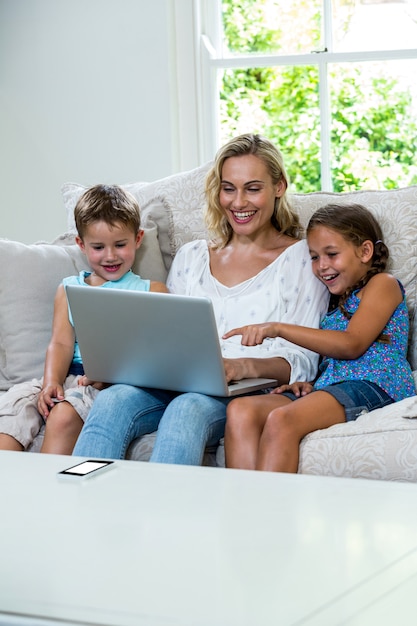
(158, 545)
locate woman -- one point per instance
(255, 269)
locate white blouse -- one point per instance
(284, 291)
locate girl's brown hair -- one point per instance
(356, 224)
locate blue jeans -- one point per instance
(186, 424)
(356, 397)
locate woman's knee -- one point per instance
(113, 396)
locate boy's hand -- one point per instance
(254, 334)
(48, 397)
(299, 389)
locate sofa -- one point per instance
(379, 445)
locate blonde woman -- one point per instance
(256, 268)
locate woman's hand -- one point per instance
(298, 389)
(235, 369)
(254, 334)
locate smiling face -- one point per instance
(247, 194)
(337, 262)
(110, 249)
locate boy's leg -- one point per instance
(7, 442)
(62, 429)
(20, 421)
(287, 425)
(246, 417)
(66, 418)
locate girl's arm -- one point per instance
(58, 355)
(378, 301)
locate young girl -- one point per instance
(363, 341)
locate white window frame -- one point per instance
(209, 59)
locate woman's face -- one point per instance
(247, 194)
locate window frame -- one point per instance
(210, 59)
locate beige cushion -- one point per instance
(27, 291)
(176, 205)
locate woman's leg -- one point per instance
(120, 414)
(190, 423)
(287, 425)
(246, 419)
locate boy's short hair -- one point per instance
(107, 203)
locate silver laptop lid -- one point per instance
(147, 339)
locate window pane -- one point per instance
(373, 125)
(271, 26)
(374, 24)
(281, 103)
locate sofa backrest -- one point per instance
(175, 204)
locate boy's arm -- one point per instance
(59, 354)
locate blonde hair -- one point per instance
(107, 203)
(284, 218)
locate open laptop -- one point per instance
(148, 339)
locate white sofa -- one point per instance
(379, 445)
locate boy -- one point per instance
(108, 226)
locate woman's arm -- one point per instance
(379, 299)
(275, 367)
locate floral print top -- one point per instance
(384, 364)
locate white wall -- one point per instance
(88, 94)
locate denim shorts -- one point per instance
(356, 396)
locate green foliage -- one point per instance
(373, 138)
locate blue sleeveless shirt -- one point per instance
(384, 364)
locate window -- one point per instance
(331, 82)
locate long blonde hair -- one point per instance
(284, 218)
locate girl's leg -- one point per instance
(7, 442)
(190, 423)
(246, 417)
(62, 429)
(120, 414)
(287, 425)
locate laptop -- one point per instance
(147, 339)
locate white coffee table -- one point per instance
(162, 545)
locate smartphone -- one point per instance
(85, 469)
